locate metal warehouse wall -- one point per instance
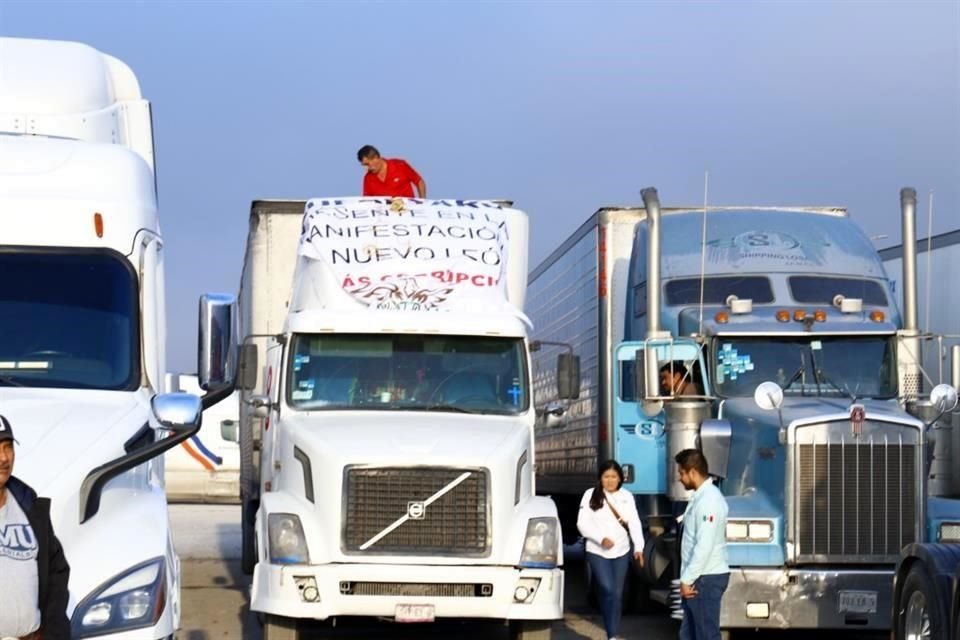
(943, 316)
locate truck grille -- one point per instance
(375, 499)
(856, 497)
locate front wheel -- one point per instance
(918, 614)
(531, 629)
(280, 628)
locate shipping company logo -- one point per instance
(18, 542)
(416, 510)
(768, 240)
(857, 416)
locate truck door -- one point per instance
(639, 440)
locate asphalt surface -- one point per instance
(215, 597)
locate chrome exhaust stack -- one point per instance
(908, 347)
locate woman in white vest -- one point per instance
(608, 520)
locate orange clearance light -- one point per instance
(722, 317)
(877, 316)
(799, 315)
(820, 315)
(783, 315)
(98, 224)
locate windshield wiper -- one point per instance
(819, 374)
(799, 374)
(443, 407)
(8, 381)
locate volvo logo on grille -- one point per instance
(416, 510)
(857, 415)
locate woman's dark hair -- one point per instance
(597, 499)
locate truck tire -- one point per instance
(918, 614)
(248, 488)
(280, 628)
(531, 629)
(636, 594)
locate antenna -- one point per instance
(926, 306)
(703, 245)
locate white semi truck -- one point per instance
(82, 330)
(386, 420)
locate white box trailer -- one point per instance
(268, 265)
(83, 330)
(577, 297)
(205, 467)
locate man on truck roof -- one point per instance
(33, 591)
(389, 176)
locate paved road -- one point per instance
(215, 596)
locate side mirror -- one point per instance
(768, 396)
(568, 376)
(260, 406)
(553, 414)
(247, 373)
(216, 367)
(943, 398)
(178, 412)
(230, 430)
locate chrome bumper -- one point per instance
(805, 599)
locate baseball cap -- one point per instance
(6, 431)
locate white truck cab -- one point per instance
(82, 329)
(396, 459)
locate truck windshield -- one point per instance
(851, 366)
(469, 374)
(69, 320)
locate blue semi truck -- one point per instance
(825, 467)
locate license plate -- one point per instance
(858, 602)
(414, 613)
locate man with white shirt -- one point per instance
(704, 573)
(35, 573)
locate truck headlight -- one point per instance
(288, 545)
(749, 531)
(131, 600)
(950, 532)
(540, 544)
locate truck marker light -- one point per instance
(799, 315)
(820, 315)
(783, 315)
(722, 317)
(877, 316)
(758, 610)
(98, 224)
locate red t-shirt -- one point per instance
(398, 182)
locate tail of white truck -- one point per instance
(394, 464)
(82, 329)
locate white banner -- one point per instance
(408, 254)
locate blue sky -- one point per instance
(560, 106)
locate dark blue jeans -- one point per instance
(701, 613)
(609, 576)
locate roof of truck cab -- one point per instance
(766, 241)
(58, 185)
(53, 77)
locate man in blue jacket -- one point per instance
(35, 573)
(704, 573)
